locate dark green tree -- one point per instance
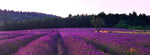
(98, 23)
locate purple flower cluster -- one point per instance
(11, 41)
(8, 46)
(121, 43)
(74, 41)
(45, 45)
(31, 31)
(6, 36)
(77, 46)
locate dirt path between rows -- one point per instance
(62, 50)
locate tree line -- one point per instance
(131, 21)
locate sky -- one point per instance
(65, 7)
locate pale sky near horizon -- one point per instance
(64, 7)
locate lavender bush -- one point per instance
(77, 46)
(119, 43)
(9, 46)
(46, 45)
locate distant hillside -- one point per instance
(7, 15)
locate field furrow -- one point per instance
(62, 49)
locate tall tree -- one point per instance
(98, 22)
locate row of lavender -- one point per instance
(45, 45)
(8, 46)
(117, 43)
(11, 41)
(78, 46)
(77, 42)
(13, 34)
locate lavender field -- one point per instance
(75, 41)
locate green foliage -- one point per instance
(123, 24)
(138, 27)
(127, 53)
(27, 24)
(74, 21)
(146, 45)
(131, 21)
(93, 20)
(98, 22)
(113, 52)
